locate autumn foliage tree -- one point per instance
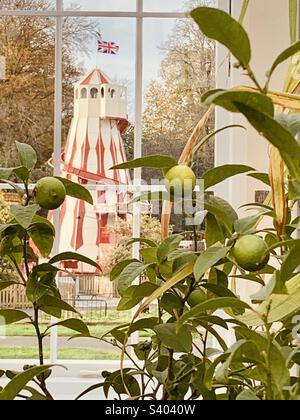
(27, 93)
(173, 101)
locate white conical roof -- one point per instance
(94, 77)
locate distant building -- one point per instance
(94, 145)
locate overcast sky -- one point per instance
(122, 31)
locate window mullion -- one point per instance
(57, 150)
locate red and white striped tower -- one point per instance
(94, 145)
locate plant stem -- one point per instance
(204, 347)
(26, 235)
(41, 351)
(254, 80)
(270, 394)
(195, 237)
(170, 374)
(18, 271)
(25, 255)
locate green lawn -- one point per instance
(63, 354)
(113, 319)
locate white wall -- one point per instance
(267, 23)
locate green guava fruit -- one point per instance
(180, 180)
(196, 297)
(50, 193)
(251, 253)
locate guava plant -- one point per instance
(17, 237)
(196, 291)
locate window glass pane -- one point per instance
(27, 4)
(26, 115)
(173, 5)
(101, 5)
(27, 49)
(179, 68)
(97, 136)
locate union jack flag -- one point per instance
(106, 47)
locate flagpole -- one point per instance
(99, 38)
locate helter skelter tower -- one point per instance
(93, 146)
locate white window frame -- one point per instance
(59, 13)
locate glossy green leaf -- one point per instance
(27, 155)
(289, 121)
(210, 372)
(149, 255)
(5, 173)
(260, 176)
(133, 295)
(170, 303)
(212, 305)
(285, 55)
(220, 26)
(167, 246)
(208, 259)
(247, 395)
(51, 301)
(18, 383)
(5, 284)
(119, 267)
(144, 241)
(277, 135)
(219, 291)
(290, 263)
(24, 215)
(36, 289)
(45, 268)
(76, 190)
(124, 383)
(75, 325)
(7, 280)
(222, 210)
(228, 99)
(22, 172)
(39, 220)
(213, 231)
(89, 390)
(129, 274)
(42, 237)
(180, 275)
(143, 325)
(11, 316)
(278, 365)
(221, 173)
(223, 373)
(213, 320)
(179, 341)
(281, 306)
(247, 224)
(73, 256)
(155, 161)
